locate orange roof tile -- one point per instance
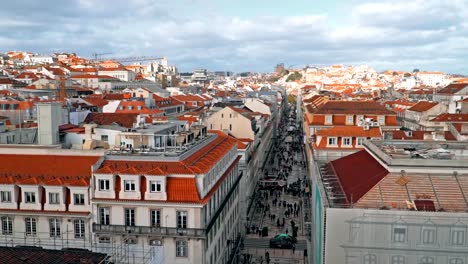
(422, 106)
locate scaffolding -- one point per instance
(118, 252)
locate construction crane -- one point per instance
(130, 59)
(98, 55)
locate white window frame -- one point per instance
(328, 119)
(399, 237)
(129, 214)
(182, 219)
(456, 261)
(104, 184)
(428, 235)
(81, 199)
(54, 227)
(350, 142)
(155, 184)
(79, 228)
(381, 120)
(155, 217)
(369, 259)
(427, 260)
(104, 215)
(30, 226)
(181, 248)
(360, 141)
(334, 138)
(7, 225)
(129, 186)
(350, 120)
(457, 236)
(5, 196)
(30, 197)
(398, 260)
(54, 198)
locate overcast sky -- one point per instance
(247, 35)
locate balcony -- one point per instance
(147, 230)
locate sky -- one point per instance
(247, 35)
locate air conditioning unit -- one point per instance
(360, 122)
(376, 123)
(366, 127)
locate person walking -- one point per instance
(293, 248)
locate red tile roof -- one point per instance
(451, 118)
(123, 119)
(353, 107)
(357, 174)
(59, 170)
(452, 88)
(422, 106)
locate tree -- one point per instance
(416, 70)
(407, 74)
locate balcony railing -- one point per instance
(147, 230)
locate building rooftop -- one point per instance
(369, 179)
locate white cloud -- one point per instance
(388, 34)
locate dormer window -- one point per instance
(381, 120)
(129, 185)
(328, 119)
(5, 196)
(349, 120)
(121, 107)
(130, 107)
(139, 107)
(30, 197)
(155, 186)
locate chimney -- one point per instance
(49, 118)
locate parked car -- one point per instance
(282, 241)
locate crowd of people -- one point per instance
(287, 154)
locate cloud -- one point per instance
(388, 34)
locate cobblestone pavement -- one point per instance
(287, 163)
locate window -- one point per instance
(156, 218)
(54, 198)
(349, 120)
(130, 217)
(79, 228)
(181, 219)
(427, 260)
(181, 248)
(230, 126)
(5, 196)
(104, 185)
(332, 141)
(399, 234)
(78, 199)
(360, 141)
(347, 141)
(30, 197)
(155, 186)
(7, 225)
(398, 260)
(105, 138)
(328, 119)
(456, 261)
(54, 225)
(129, 185)
(381, 120)
(458, 237)
(104, 216)
(428, 236)
(130, 107)
(139, 107)
(30, 226)
(369, 259)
